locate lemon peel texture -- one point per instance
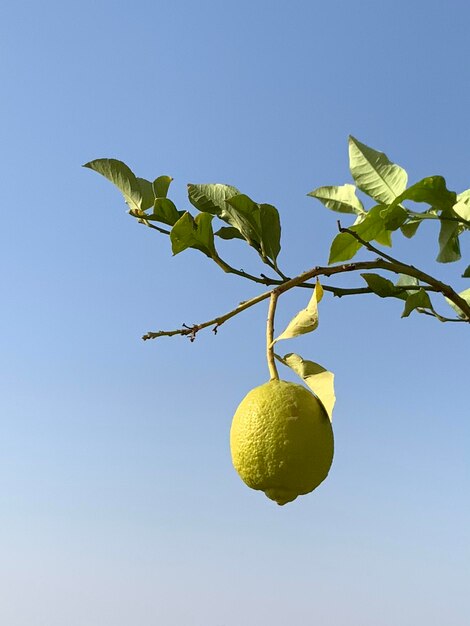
(281, 440)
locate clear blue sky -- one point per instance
(118, 501)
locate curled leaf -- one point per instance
(123, 177)
(306, 320)
(161, 185)
(342, 199)
(189, 232)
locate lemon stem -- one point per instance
(270, 336)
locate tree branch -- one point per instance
(340, 292)
(396, 267)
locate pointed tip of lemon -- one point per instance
(281, 496)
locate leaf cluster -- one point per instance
(243, 218)
(385, 183)
(387, 206)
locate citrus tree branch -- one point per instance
(394, 266)
(340, 291)
(191, 331)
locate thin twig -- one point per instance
(160, 230)
(263, 280)
(191, 331)
(441, 318)
(275, 268)
(368, 245)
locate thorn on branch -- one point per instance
(190, 331)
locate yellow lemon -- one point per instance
(281, 440)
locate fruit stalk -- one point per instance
(270, 336)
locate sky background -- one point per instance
(118, 501)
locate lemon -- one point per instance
(281, 440)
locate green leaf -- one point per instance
(258, 224)
(319, 379)
(161, 186)
(465, 294)
(212, 198)
(243, 213)
(228, 204)
(204, 234)
(182, 233)
(372, 225)
(419, 299)
(306, 320)
(383, 287)
(123, 177)
(409, 229)
(449, 246)
(164, 211)
(193, 233)
(394, 217)
(343, 248)
(342, 199)
(431, 190)
(384, 238)
(466, 274)
(146, 190)
(270, 231)
(374, 173)
(229, 232)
